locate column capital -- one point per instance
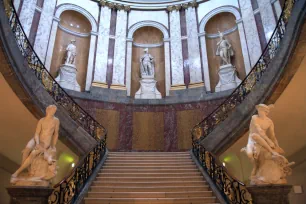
(202, 34)
(178, 7)
(129, 39)
(116, 6)
(166, 39)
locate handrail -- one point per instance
(209, 123)
(67, 190)
(232, 190)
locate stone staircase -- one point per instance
(150, 177)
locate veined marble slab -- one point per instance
(27, 14)
(157, 16)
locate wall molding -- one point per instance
(226, 32)
(154, 24)
(148, 45)
(78, 34)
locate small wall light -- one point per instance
(72, 165)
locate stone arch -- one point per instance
(65, 7)
(154, 24)
(216, 11)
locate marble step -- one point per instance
(164, 175)
(194, 200)
(153, 163)
(165, 166)
(152, 170)
(170, 188)
(145, 154)
(148, 183)
(161, 158)
(183, 194)
(148, 179)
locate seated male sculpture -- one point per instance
(38, 157)
(269, 166)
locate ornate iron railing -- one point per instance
(208, 124)
(77, 113)
(233, 190)
(69, 188)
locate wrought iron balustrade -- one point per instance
(208, 124)
(69, 188)
(233, 190)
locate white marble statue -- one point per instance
(224, 50)
(38, 157)
(148, 89)
(147, 64)
(269, 166)
(71, 53)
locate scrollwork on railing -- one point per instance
(69, 188)
(206, 126)
(233, 191)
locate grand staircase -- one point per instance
(150, 177)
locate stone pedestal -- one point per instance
(148, 89)
(269, 194)
(67, 77)
(228, 78)
(29, 194)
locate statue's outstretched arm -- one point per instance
(37, 132)
(55, 135)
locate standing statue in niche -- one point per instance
(38, 157)
(68, 71)
(269, 166)
(148, 89)
(224, 50)
(228, 78)
(147, 64)
(70, 52)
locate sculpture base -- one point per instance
(29, 181)
(269, 194)
(29, 195)
(67, 77)
(228, 78)
(148, 89)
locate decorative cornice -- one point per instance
(148, 45)
(178, 7)
(116, 6)
(78, 34)
(216, 35)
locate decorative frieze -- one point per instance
(178, 7)
(116, 6)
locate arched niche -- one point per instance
(224, 22)
(72, 25)
(151, 38)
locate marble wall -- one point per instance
(136, 16)
(177, 74)
(27, 14)
(120, 49)
(267, 17)
(147, 127)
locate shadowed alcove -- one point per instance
(223, 22)
(153, 39)
(73, 25)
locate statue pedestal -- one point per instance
(148, 89)
(269, 194)
(29, 195)
(227, 78)
(67, 77)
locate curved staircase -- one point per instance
(150, 177)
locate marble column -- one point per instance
(167, 65)
(205, 61)
(250, 30)
(51, 43)
(27, 14)
(176, 49)
(244, 47)
(16, 4)
(129, 65)
(194, 58)
(44, 27)
(267, 17)
(120, 49)
(277, 7)
(102, 48)
(91, 56)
